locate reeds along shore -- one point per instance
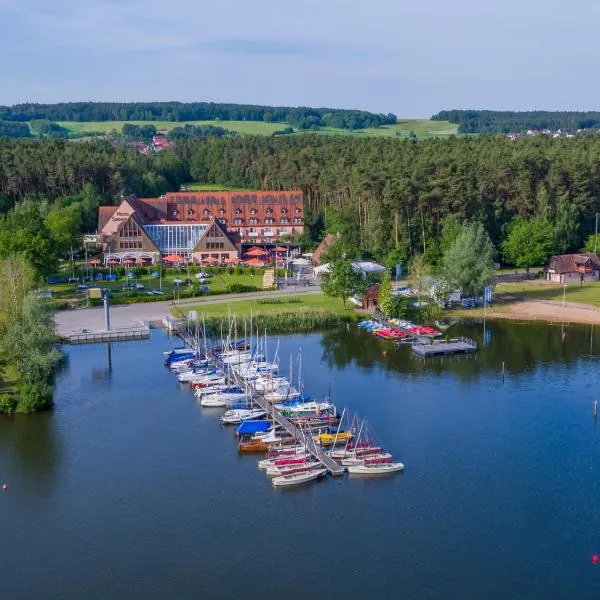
(287, 322)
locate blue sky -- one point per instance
(411, 58)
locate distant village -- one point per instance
(159, 142)
(559, 133)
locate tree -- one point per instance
(452, 227)
(64, 227)
(529, 242)
(592, 244)
(342, 281)
(385, 301)
(469, 262)
(17, 278)
(566, 225)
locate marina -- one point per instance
(258, 391)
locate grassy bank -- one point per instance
(537, 289)
(282, 314)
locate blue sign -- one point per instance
(398, 270)
(488, 295)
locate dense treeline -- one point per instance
(391, 197)
(48, 169)
(14, 129)
(194, 131)
(493, 121)
(301, 117)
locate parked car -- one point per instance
(155, 275)
(139, 286)
(157, 292)
(128, 286)
(131, 275)
(178, 281)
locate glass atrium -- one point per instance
(175, 239)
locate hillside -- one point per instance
(422, 128)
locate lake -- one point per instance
(128, 489)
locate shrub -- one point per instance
(8, 404)
(238, 288)
(60, 304)
(34, 397)
(239, 270)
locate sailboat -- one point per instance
(376, 466)
(236, 416)
(302, 477)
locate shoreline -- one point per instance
(545, 311)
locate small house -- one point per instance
(573, 268)
(370, 298)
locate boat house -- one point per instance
(370, 298)
(573, 268)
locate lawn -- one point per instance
(210, 187)
(422, 128)
(272, 306)
(218, 282)
(538, 289)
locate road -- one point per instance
(128, 315)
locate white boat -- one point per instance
(268, 384)
(222, 400)
(299, 478)
(235, 357)
(204, 379)
(381, 468)
(217, 388)
(298, 409)
(357, 460)
(356, 452)
(235, 417)
(191, 375)
(282, 394)
(305, 465)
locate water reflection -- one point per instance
(520, 346)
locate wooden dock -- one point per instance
(445, 348)
(315, 449)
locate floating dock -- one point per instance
(85, 336)
(445, 348)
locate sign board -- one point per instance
(192, 315)
(398, 270)
(90, 239)
(488, 294)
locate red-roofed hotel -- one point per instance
(178, 223)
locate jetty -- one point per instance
(88, 336)
(427, 348)
(317, 451)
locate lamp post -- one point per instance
(564, 292)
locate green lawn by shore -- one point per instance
(422, 128)
(537, 289)
(274, 306)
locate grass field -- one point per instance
(216, 283)
(537, 289)
(422, 128)
(210, 187)
(279, 305)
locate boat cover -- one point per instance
(248, 427)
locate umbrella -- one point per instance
(255, 262)
(255, 252)
(129, 261)
(280, 249)
(113, 261)
(173, 258)
(211, 260)
(95, 262)
(232, 261)
(141, 261)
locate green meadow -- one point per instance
(421, 128)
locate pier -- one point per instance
(315, 449)
(444, 348)
(86, 336)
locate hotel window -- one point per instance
(285, 220)
(238, 211)
(253, 221)
(221, 211)
(297, 210)
(284, 211)
(223, 221)
(206, 212)
(190, 212)
(269, 211)
(238, 221)
(253, 211)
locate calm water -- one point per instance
(130, 490)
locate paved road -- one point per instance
(128, 315)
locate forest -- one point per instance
(300, 117)
(493, 121)
(390, 199)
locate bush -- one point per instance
(230, 270)
(34, 397)
(238, 288)
(239, 270)
(60, 304)
(8, 404)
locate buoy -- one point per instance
(595, 559)
(4, 487)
